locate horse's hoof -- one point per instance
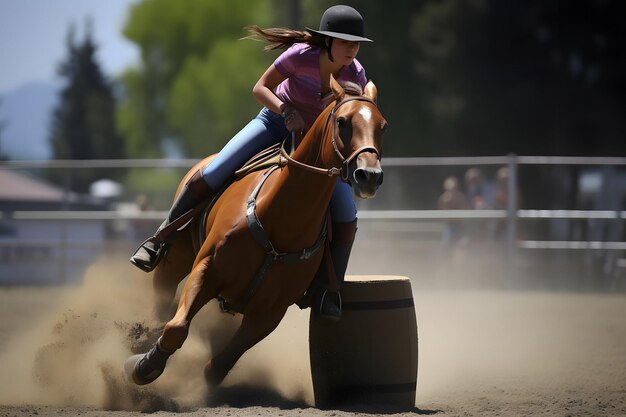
(133, 370)
(144, 368)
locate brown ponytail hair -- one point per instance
(283, 38)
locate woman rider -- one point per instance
(294, 90)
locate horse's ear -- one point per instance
(370, 91)
(337, 90)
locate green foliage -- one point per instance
(211, 99)
(194, 85)
(83, 125)
(477, 77)
(455, 77)
(438, 32)
(138, 117)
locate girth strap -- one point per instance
(260, 236)
(254, 224)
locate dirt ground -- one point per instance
(482, 352)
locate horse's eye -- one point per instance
(344, 128)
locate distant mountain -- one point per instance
(26, 114)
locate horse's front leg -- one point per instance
(199, 290)
(169, 274)
(254, 327)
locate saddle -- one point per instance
(265, 159)
(268, 159)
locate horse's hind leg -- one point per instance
(253, 329)
(199, 290)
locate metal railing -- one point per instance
(512, 214)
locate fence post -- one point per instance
(511, 208)
(64, 244)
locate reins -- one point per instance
(345, 162)
(258, 232)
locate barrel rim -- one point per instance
(376, 278)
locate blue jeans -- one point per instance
(265, 130)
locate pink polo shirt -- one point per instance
(303, 87)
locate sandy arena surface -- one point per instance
(482, 352)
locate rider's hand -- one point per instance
(293, 120)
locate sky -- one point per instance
(33, 33)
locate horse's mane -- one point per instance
(351, 88)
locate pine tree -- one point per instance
(83, 125)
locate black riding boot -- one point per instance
(328, 304)
(149, 253)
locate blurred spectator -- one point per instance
(453, 198)
(501, 201)
(475, 188)
(480, 197)
(142, 203)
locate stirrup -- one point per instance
(334, 313)
(156, 259)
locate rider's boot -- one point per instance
(145, 368)
(149, 253)
(329, 304)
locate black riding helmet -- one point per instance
(342, 22)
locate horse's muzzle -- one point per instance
(366, 176)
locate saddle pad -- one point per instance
(264, 159)
(261, 161)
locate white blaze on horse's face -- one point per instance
(366, 113)
(365, 173)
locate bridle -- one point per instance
(345, 162)
(260, 235)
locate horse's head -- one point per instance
(357, 129)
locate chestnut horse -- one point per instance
(291, 206)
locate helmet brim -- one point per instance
(344, 36)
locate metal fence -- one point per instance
(511, 215)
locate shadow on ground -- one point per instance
(243, 396)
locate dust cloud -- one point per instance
(73, 353)
(509, 328)
(492, 341)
